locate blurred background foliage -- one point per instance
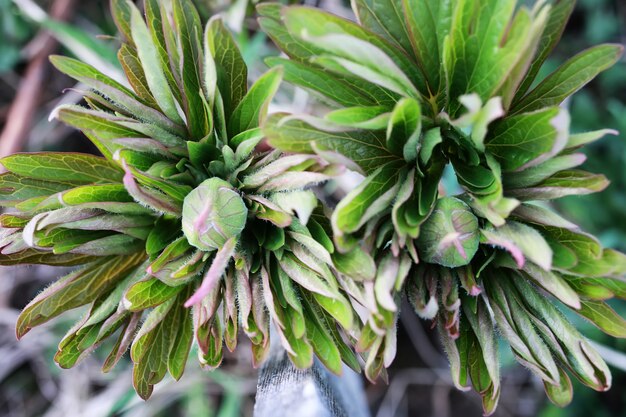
(31, 384)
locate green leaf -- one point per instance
(305, 276)
(159, 24)
(405, 214)
(275, 168)
(152, 65)
(559, 15)
(92, 120)
(456, 352)
(386, 18)
(357, 264)
(116, 92)
(171, 252)
(321, 338)
(344, 90)
(536, 174)
(427, 32)
(561, 395)
(320, 29)
(563, 338)
(582, 244)
(364, 147)
(75, 289)
(339, 308)
(136, 75)
(349, 55)
(165, 230)
(404, 129)
(300, 202)
(121, 16)
(180, 345)
(36, 257)
(117, 244)
(14, 188)
(11, 221)
(603, 316)
(569, 78)
(538, 16)
(483, 47)
(388, 270)
(267, 210)
(53, 166)
(310, 244)
(532, 213)
(369, 199)
(561, 184)
(431, 139)
(149, 293)
(189, 32)
(150, 198)
(478, 117)
(449, 237)
(528, 139)
(518, 329)
(253, 107)
(67, 237)
(103, 318)
(551, 282)
(521, 241)
(482, 326)
(232, 73)
(102, 221)
(150, 349)
(581, 139)
(109, 197)
(172, 189)
(360, 117)
(302, 356)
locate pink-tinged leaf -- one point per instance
(385, 280)
(497, 240)
(215, 272)
(468, 281)
(521, 241)
(580, 139)
(151, 199)
(539, 215)
(564, 183)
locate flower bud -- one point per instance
(450, 235)
(213, 213)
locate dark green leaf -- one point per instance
(569, 78)
(559, 15)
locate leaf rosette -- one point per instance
(185, 230)
(418, 85)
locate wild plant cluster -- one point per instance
(190, 229)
